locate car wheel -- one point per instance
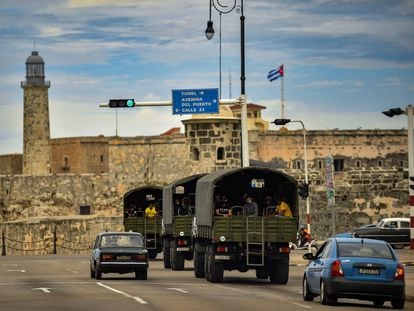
(398, 303)
(141, 274)
(324, 297)
(378, 303)
(98, 273)
(307, 295)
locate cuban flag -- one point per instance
(275, 73)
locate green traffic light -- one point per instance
(130, 103)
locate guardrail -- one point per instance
(50, 244)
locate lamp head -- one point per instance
(209, 30)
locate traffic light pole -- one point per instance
(164, 103)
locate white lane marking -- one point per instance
(16, 271)
(266, 295)
(140, 300)
(178, 290)
(43, 289)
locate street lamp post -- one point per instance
(305, 159)
(410, 114)
(209, 32)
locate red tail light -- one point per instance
(182, 242)
(222, 249)
(399, 274)
(139, 257)
(336, 269)
(284, 250)
(107, 257)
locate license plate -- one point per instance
(183, 249)
(369, 271)
(124, 257)
(222, 257)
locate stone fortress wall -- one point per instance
(363, 195)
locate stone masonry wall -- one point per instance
(386, 148)
(63, 235)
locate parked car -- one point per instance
(119, 252)
(355, 268)
(395, 231)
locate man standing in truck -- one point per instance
(250, 206)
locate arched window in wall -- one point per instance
(220, 153)
(195, 154)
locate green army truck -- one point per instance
(135, 203)
(178, 214)
(241, 242)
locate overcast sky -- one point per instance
(345, 61)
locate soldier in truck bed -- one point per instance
(250, 206)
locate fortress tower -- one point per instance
(36, 128)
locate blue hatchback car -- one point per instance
(354, 268)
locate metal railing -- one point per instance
(49, 245)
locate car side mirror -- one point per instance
(308, 256)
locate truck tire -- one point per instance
(177, 260)
(198, 261)
(279, 272)
(262, 273)
(215, 269)
(206, 266)
(152, 253)
(166, 254)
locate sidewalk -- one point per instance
(406, 256)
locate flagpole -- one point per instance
(282, 87)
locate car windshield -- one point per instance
(364, 249)
(121, 240)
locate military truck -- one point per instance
(177, 221)
(135, 203)
(241, 242)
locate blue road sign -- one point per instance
(194, 101)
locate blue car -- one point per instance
(354, 268)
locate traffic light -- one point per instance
(304, 190)
(393, 112)
(121, 103)
(281, 121)
(411, 185)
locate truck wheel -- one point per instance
(198, 261)
(166, 254)
(262, 273)
(152, 253)
(279, 272)
(177, 260)
(206, 264)
(216, 269)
